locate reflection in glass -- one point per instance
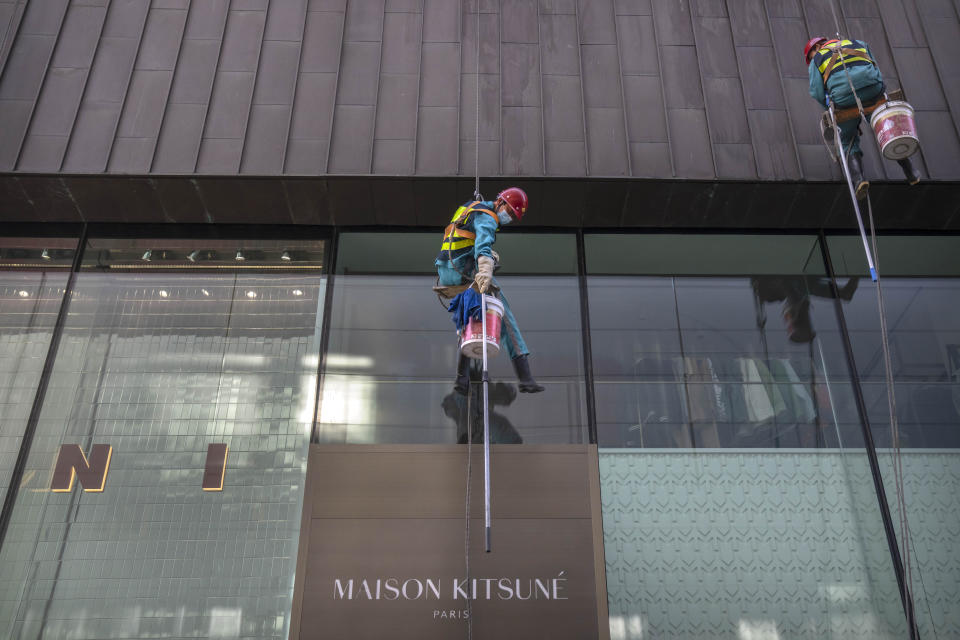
(159, 378)
(393, 352)
(29, 302)
(694, 362)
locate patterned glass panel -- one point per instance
(159, 366)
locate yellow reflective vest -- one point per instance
(828, 59)
(457, 240)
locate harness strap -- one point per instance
(855, 55)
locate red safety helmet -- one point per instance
(516, 200)
(812, 45)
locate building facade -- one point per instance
(226, 404)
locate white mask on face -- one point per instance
(504, 217)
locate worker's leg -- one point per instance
(850, 136)
(510, 332)
(449, 277)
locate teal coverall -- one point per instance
(464, 266)
(866, 79)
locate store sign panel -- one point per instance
(382, 551)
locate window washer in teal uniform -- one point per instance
(834, 65)
(467, 257)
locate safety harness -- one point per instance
(457, 241)
(828, 57)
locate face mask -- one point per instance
(504, 218)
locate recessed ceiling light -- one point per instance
(240, 257)
(23, 294)
(285, 256)
(45, 254)
(163, 293)
(251, 294)
(204, 292)
(297, 292)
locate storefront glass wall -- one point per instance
(737, 499)
(162, 355)
(737, 503)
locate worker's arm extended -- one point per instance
(486, 229)
(816, 84)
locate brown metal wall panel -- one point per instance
(311, 87)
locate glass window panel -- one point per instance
(393, 347)
(731, 452)
(924, 339)
(159, 365)
(690, 254)
(898, 255)
(33, 275)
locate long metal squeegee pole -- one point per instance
(486, 425)
(853, 195)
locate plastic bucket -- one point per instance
(471, 339)
(896, 130)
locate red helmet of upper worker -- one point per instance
(516, 199)
(812, 45)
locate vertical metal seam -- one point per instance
(83, 90)
(253, 90)
(460, 34)
(783, 91)
(325, 331)
(296, 86)
(583, 97)
(592, 435)
(376, 96)
(543, 126)
(20, 4)
(43, 83)
(623, 90)
(173, 77)
(951, 109)
(16, 477)
(663, 87)
(416, 114)
(703, 91)
(213, 86)
(743, 93)
(906, 599)
(499, 23)
(336, 87)
(126, 88)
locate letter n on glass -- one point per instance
(215, 468)
(72, 465)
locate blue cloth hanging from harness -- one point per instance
(465, 306)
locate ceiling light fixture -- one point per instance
(23, 294)
(193, 256)
(251, 294)
(297, 292)
(240, 257)
(204, 292)
(163, 293)
(147, 255)
(45, 254)
(285, 256)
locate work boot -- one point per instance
(462, 384)
(860, 184)
(527, 384)
(910, 172)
